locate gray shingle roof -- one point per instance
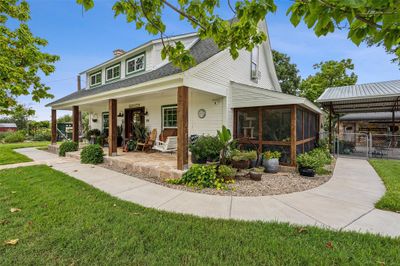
(383, 116)
(367, 90)
(8, 125)
(201, 51)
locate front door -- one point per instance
(133, 118)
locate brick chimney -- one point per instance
(118, 52)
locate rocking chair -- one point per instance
(148, 144)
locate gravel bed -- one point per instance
(270, 184)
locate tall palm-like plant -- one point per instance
(225, 137)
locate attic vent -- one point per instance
(118, 52)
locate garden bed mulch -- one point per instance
(270, 184)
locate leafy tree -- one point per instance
(21, 60)
(373, 21)
(64, 119)
(378, 20)
(329, 74)
(287, 72)
(20, 115)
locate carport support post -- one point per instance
(53, 126)
(112, 127)
(293, 135)
(75, 123)
(182, 121)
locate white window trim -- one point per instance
(162, 115)
(90, 79)
(113, 67)
(254, 61)
(134, 59)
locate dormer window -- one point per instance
(135, 64)
(95, 79)
(254, 63)
(113, 72)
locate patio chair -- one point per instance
(151, 139)
(170, 145)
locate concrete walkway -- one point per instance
(346, 202)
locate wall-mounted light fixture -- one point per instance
(120, 114)
(94, 118)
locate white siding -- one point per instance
(214, 106)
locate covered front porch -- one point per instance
(170, 112)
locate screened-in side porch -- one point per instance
(289, 129)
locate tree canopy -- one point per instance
(21, 60)
(329, 74)
(287, 73)
(20, 115)
(377, 21)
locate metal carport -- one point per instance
(369, 97)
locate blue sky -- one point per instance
(84, 39)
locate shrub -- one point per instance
(202, 176)
(92, 154)
(92, 132)
(206, 148)
(307, 160)
(272, 155)
(322, 154)
(244, 155)
(42, 135)
(14, 137)
(225, 171)
(67, 146)
(3, 135)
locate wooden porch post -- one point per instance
(182, 121)
(112, 127)
(53, 126)
(75, 123)
(293, 135)
(330, 126)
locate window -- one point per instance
(113, 72)
(247, 124)
(169, 116)
(276, 124)
(105, 123)
(254, 63)
(95, 79)
(135, 64)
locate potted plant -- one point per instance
(271, 161)
(119, 136)
(226, 172)
(307, 164)
(205, 148)
(256, 173)
(241, 159)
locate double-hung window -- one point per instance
(135, 64)
(113, 72)
(95, 79)
(169, 116)
(254, 62)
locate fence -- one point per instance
(366, 145)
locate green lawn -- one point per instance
(8, 156)
(389, 171)
(65, 221)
